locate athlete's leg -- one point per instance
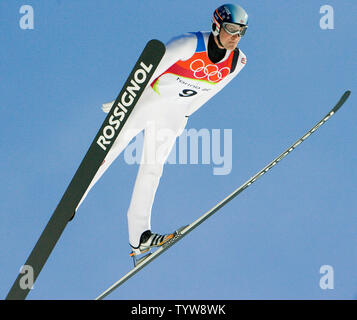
(158, 141)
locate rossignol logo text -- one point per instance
(120, 110)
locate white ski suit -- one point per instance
(182, 83)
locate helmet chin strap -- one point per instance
(216, 34)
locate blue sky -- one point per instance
(268, 243)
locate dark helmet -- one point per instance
(232, 18)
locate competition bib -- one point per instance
(185, 80)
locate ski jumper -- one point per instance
(185, 79)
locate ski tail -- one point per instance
(138, 79)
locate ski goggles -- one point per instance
(234, 28)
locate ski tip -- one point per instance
(342, 100)
(347, 94)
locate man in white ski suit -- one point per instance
(195, 67)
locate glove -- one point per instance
(107, 106)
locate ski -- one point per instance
(182, 232)
(110, 129)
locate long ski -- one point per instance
(184, 231)
(112, 125)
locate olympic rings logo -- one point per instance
(211, 71)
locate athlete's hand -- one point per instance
(107, 106)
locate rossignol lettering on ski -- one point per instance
(125, 101)
(110, 129)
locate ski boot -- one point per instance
(148, 240)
